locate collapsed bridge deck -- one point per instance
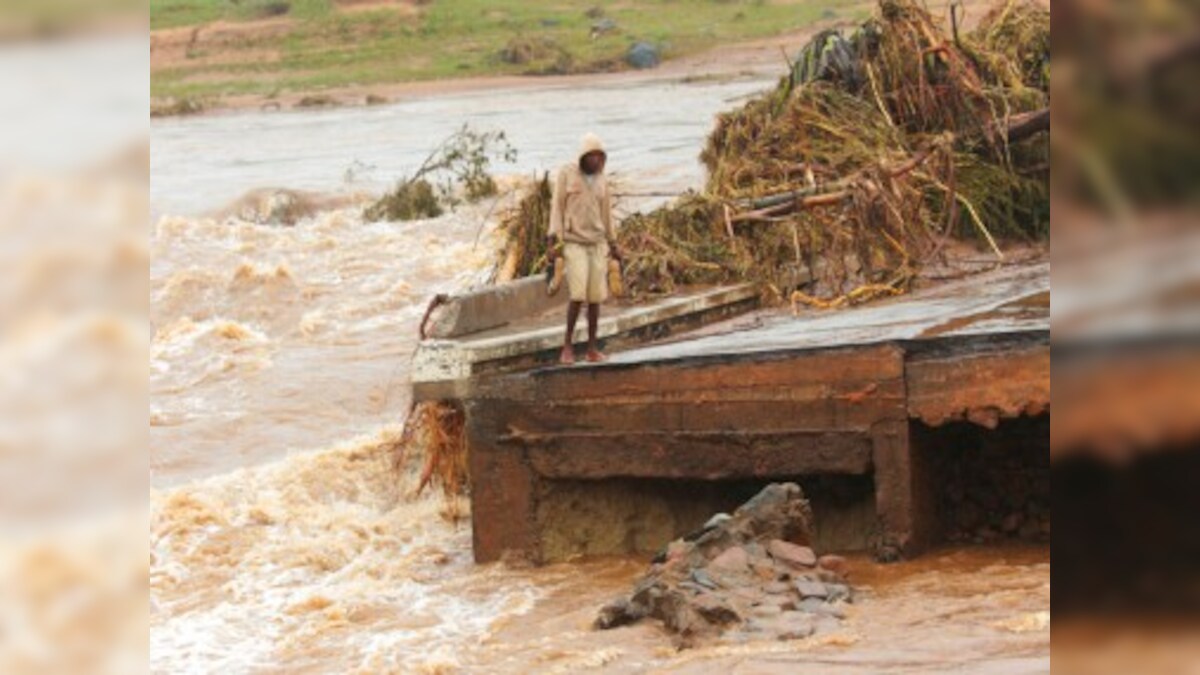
(623, 456)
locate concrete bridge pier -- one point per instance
(906, 422)
(620, 458)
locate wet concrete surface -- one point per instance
(1011, 299)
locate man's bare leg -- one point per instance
(593, 319)
(568, 351)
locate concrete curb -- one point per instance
(492, 307)
(449, 360)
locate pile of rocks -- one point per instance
(751, 575)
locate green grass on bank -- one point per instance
(175, 13)
(324, 47)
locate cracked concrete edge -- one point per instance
(444, 360)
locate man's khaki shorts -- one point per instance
(587, 271)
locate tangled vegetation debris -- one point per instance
(873, 151)
(435, 434)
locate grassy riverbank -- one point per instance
(206, 49)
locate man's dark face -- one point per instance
(592, 163)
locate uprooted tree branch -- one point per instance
(456, 170)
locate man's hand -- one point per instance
(553, 247)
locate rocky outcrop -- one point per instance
(749, 575)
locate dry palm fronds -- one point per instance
(526, 226)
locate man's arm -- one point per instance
(558, 200)
(610, 232)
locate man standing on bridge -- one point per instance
(581, 224)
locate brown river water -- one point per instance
(284, 539)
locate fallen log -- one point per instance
(831, 193)
(821, 192)
(1024, 125)
(797, 204)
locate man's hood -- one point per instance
(590, 143)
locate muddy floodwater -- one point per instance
(273, 340)
(283, 536)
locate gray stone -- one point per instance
(779, 511)
(820, 607)
(715, 610)
(838, 593)
(733, 560)
(703, 578)
(792, 554)
(716, 521)
(643, 55)
(811, 589)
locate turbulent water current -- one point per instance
(284, 539)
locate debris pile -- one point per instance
(873, 151)
(751, 575)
